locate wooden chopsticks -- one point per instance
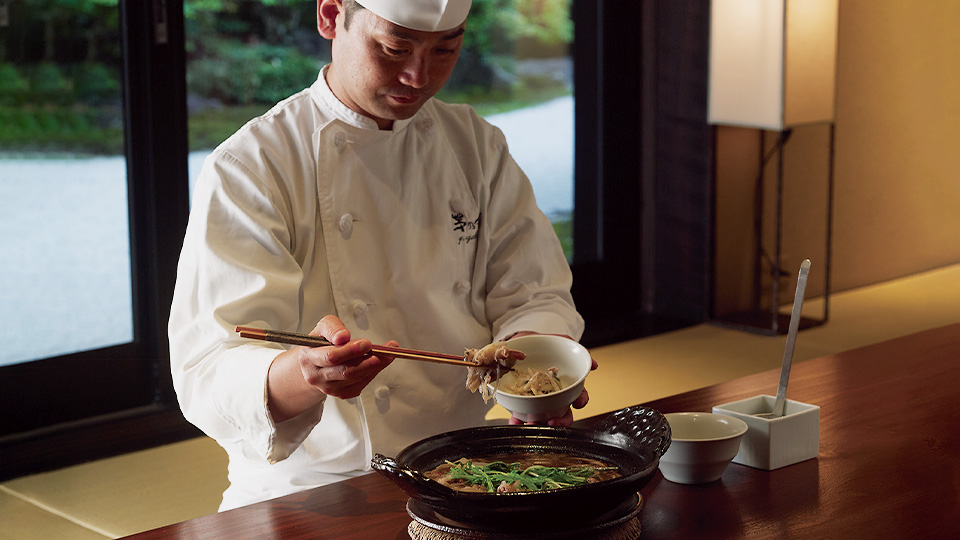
(291, 338)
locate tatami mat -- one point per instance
(24, 520)
(127, 494)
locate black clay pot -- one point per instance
(632, 439)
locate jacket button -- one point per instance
(426, 124)
(346, 223)
(463, 286)
(382, 392)
(457, 205)
(340, 139)
(359, 309)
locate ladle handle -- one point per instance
(780, 404)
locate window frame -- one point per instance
(643, 214)
(607, 229)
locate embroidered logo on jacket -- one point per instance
(469, 228)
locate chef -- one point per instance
(366, 211)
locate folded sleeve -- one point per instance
(236, 268)
(528, 277)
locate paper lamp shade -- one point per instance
(772, 62)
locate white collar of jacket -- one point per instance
(322, 93)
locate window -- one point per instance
(91, 233)
(65, 274)
(148, 78)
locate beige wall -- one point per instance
(897, 163)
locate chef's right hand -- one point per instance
(301, 377)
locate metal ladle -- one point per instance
(780, 403)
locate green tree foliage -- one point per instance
(233, 31)
(60, 59)
(495, 26)
(13, 86)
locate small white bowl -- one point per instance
(701, 447)
(573, 363)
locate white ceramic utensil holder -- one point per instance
(771, 443)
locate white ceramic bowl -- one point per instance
(572, 361)
(702, 445)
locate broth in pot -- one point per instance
(528, 471)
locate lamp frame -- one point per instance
(773, 320)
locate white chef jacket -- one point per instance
(428, 234)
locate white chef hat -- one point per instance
(424, 15)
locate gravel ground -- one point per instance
(64, 251)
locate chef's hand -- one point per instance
(301, 377)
